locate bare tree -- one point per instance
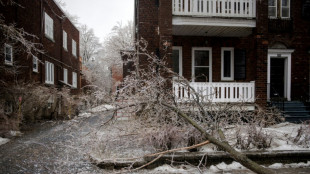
(89, 43)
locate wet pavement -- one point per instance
(64, 147)
(53, 147)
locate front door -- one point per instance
(277, 77)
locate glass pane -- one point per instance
(202, 75)
(227, 64)
(202, 58)
(272, 12)
(285, 3)
(175, 61)
(285, 12)
(271, 2)
(34, 63)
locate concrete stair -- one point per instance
(293, 111)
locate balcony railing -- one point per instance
(215, 8)
(231, 92)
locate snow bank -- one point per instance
(292, 165)
(226, 167)
(3, 140)
(102, 108)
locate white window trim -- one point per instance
(276, 5)
(5, 61)
(49, 73)
(179, 48)
(193, 61)
(65, 76)
(232, 62)
(65, 40)
(289, 10)
(74, 79)
(48, 26)
(35, 59)
(74, 48)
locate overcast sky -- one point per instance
(101, 15)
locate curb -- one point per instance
(210, 158)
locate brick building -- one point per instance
(59, 65)
(259, 49)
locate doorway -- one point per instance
(279, 73)
(277, 77)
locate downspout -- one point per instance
(41, 41)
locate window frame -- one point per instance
(289, 9)
(179, 48)
(49, 73)
(74, 79)
(48, 26)
(5, 54)
(35, 61)
(65, 40)
(74, 50)
(193, 61)
(232, 63)
(276, 9)
(65, 76)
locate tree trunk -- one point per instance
(238, 156)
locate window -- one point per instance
(227, 65)
(272, 8)
(240, 64)
(279, 8)
(49, 26)
(202, 64)
(65, 40)
(285, 8)
(73, 47)
(65, 75)
(35, 66)
(49, 73)
(8, 108)
(177, 60)
(74, 79)
(8, 54)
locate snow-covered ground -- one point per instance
(126, 139)
(220, 168)
(3, 140)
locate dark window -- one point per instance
(227, 63)
(175, 61)
(306, 9)
(240, 64)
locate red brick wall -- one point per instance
(31, 19)
(154, 23)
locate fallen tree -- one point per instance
(148, 92)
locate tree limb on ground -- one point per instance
(238, 156)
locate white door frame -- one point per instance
(193, 61)
(281, 54)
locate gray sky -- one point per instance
(101, 15)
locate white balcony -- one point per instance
(226, 18)
(215, 8)
(221, 92)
